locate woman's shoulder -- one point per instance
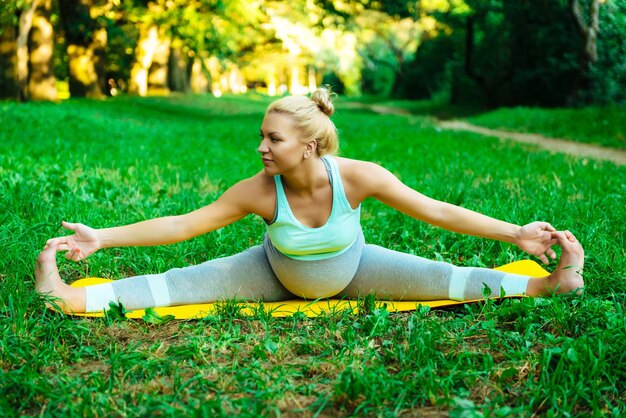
(257, 185)
(353, 170)
(359, 178)
(257, 194)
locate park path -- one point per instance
(552, 144)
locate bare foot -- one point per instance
(48, 281)
(567, 275)
(47, 278)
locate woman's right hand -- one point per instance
(84, 242)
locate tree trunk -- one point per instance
(41, 80)
(312, 80)
(9, 86)
(271, 83)
(26, 23)
(589, 33)
(178, 69)
(294, 81)
(489, 86)
(469, 61)
(399, 86)
(214, 67)
(144, 52)
(86, 43)
(159, 70)
(198, 80)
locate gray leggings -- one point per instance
(264, 273)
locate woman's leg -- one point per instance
(398, 276)
(247, 275)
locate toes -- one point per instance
(566, 239)
(52, 246)
(560, 237)
(549, 227)
(45, 256)
(74, 254)
(77, 255)
(570, 236)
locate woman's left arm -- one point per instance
(535, 238)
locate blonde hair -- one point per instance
(312, 117)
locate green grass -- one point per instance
(598, 125)
(604, 126)
(112, 162)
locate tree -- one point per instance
(25, 25)
(26, 45)
(41, 80)
(212, 28)
(589, 34)
(9, 86)
(510, 53)
(489, 70)
(86, 42)
(607, 75)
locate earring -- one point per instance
(307, 154)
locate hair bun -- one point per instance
(322, 96)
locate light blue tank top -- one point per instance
(301, 242)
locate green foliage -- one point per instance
(522, 53)
(608, 74)
(430, 73)
(331, 79)
(378, 75)
(377, 81)
(116, 313)
(119, 161)
(152, 317)
(120, 51)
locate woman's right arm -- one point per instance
(231, 206)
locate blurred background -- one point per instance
(490, 53)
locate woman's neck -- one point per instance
(308, 177)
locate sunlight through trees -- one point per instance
(495, 53)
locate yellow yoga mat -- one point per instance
(309, 308)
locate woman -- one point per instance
(314, 246)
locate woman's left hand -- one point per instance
(536, 238)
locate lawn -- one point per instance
(118, 161)
(605, 126)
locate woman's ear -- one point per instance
(310, 148)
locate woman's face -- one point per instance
(282, 148)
